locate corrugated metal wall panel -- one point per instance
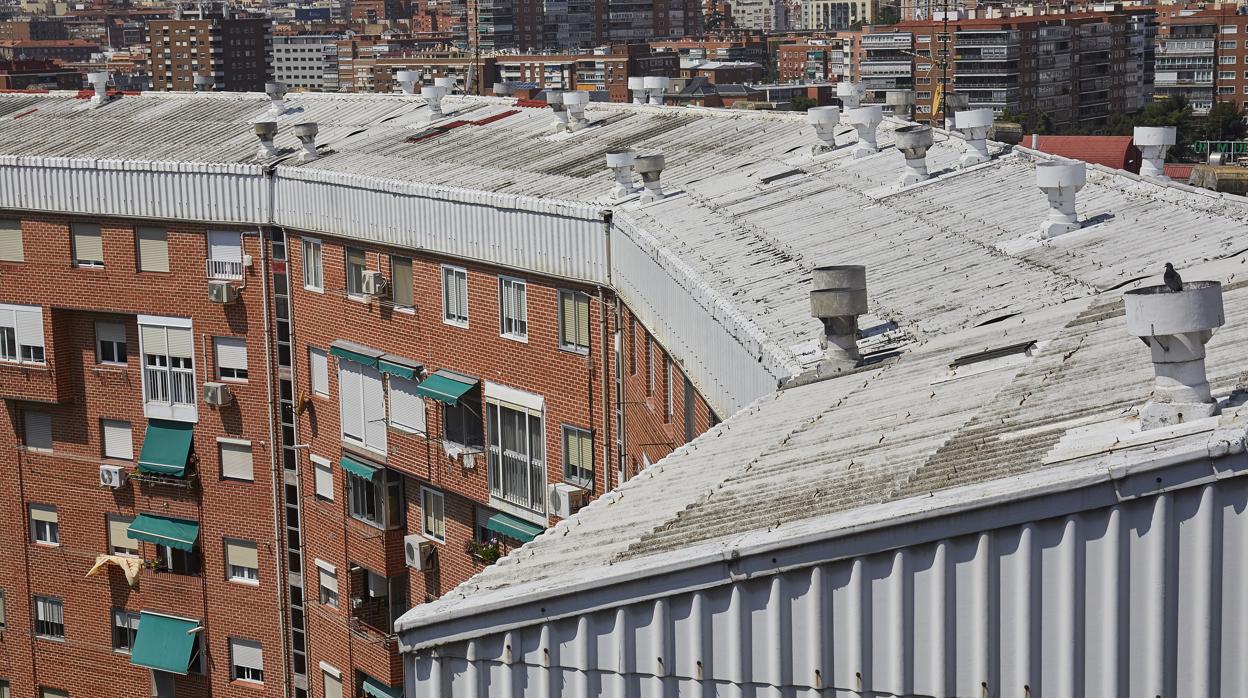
(1144, 598)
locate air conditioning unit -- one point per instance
(112, 476)
(222, 292)
(217, 394)
(419, 551)
(373, 283)
(564, 499)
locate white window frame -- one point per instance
(129, 444)
(403, 395)
(73, 237)
(243, 574)
(346, 265)
(507, 465)
(228, 266)
(431, 498)
(669, 408)
(44, 531)
(225, 443)
(40, 422)
(513, 308)
(16, 336)
(113, 547)
(323, 472)
(377, 442)
(118, 348)
(150, 265)
(456, 273)
(410, 286)
(325, 595)
(318, 383)
(568, 434)
(232, 346)
(178, 410)
(330, 672)
(50, 602)
(245, 672)
(313, 258)
(129, 620)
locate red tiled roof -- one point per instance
(1117, 152)
(1179, 173)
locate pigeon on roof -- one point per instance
(1173, 281)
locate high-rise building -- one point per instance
(306, 62)
(1203, 57)
(235, 51)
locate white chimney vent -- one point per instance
(99, 83)
(1176, 325)
(656, 85)
(1153, 142)
(502, 89)
(266, 131)
(974, 124)
(913, 141)
(902, 103)
(575, 101)
(650, 167)
(277, 97)
(204, 83)
(637, 85)
(865, 120)
(621, 163)
(407, 80)
(1061, 181)
(447, 82)
(838, 297)
(306, 133)
(433, 97)
(825, 120)
(954, 103)
(850, 94)
(554, 100)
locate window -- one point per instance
(168, 370)
(517, 468)
(1227, 60)
(328, 582)
(362, 406)
(689, 423)
(512, 309)
(649, 366)
(313, 270)
(88, 246)
(231, 353)
(331, 678)
(236, 461)
(117, 439)
(4, 690)
(324, 477)
(246, 661)
(1226, 44)
(433, 514)
(401, 281)
(225, 254)
(407, 409)
(461, 422)
(45, 526)
(318, 370)
(125, 630)
(632, 342)
(110, 343)
(377, 500)
(11, 241)
(119, 540)
(241, 561)
(49, 617)
(1229, 28)
(177, 561)
(574, 321)
(152, 245)
(355, 271)
(2, 612)
(38, 435)
(455, 296)
(53, 693)
(1226, 75)
(667, 394)
(578, 457)
(21, 333)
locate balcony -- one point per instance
(517, 480)
(224, 269)
(1001, 40)
(1004, 68)
(1185, 48)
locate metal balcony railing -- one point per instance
(224, 269)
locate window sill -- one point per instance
(580, 351)
(112, 364)
(515, 338)
(44, 544)
(405, 309)
(408, 430)
(358, 298)
(248, 683)
(232, 381)
(23, 365)
(314, 289)
(455, 323)
(244, 582)
(50, 638)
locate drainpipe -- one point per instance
(607, 355)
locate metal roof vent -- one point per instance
(1176, 325)
(954, 103)
(650, 167)
(503, 89)
(637, 85)
(99, 83)
(306, 133)
(839, 296)
(204, 83)
(447, 82)
(902, 103)
(1060, 180)
(575, 102)
(277, 97)
(656, 85)
(974, 124)
(850, 94)
(433, 95)
(913, 142)
(407, 80)
(864, 120)
(824, 119)
(266, 131)
(554, 100)
(621, 163)
(1153, 142)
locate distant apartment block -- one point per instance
(306, 62)
(235, 52)
(1203, 57)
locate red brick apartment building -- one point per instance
(286, 439)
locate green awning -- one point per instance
(512, 527)
(360, 468)
(163, 530)
(398, 366)
(445, 386)
(166, 448)
(164, 643)
(358, 353)
(376, 689)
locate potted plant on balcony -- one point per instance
(487, 552)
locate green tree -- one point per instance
(1225, 122)
(802, 103)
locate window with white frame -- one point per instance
(2, 612)
(649, 365)
(313, 269)
(117, 438)
(231, 353)
(152, 249)
(578, 456)
(377, 500)
(11, 249)
(516, 455)
(362, 404)
(327, 578)
(241, 561)
(324, 470)
(236, 460)
(88, 244)
(45, 525)
(119, 540)
(125, 630)
(318, 371)
(53, 693)
(667, 389)
(512, 308)
(246, 661)
(110, 343)
(225, 254)
(49, 617)
(574, 321)
(401, 287)
(356, 265)
(407, 408)
(433, 514)
(331, 680)
(168, 368)
(21, 333)
(38, 436)
(455, 295)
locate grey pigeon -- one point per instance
(1173, 281)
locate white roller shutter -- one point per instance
(43, 512)
(241, 554)
(119, 535)
(231, 352)
(110, 332)
(236, 460)
(374, 401)
(181, 344)
(154, 340)
(333, 684)
(153, 244)
(319, 370)
(324, 477)
(88, 245)
(351, 410)
(38, 430)
(30, 327)
(11, 241)
(407, 409)
(118, 439)
(225, 246)
(246, 653)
